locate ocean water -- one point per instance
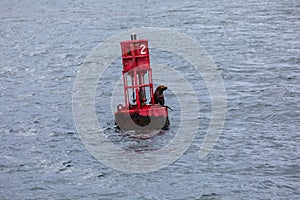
(256, 47)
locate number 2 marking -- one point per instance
(143, 49)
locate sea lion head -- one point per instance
(161, 88)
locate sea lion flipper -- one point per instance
(168, 107)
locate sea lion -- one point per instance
(159, 95)
(142, 96)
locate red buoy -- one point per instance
(140, 111)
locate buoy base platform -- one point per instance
(153, 117)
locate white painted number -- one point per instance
(143, 49)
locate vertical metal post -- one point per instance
(126, 98)
(151, 86)
(136, 88)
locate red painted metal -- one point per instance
(138, 90)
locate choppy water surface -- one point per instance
(255, 45)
